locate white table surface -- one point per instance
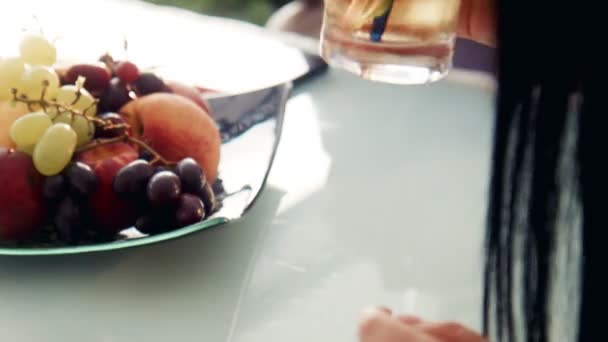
(376, 197)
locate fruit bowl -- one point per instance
(124, 164)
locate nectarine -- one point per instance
(176, 128)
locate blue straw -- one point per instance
(379, 24)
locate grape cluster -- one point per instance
(61, 114)
(51, 135)
(168, 198)
(67, 194)
(65, 109)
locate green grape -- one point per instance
(85, 129)
(68, 96)
(27, 130)
(33, 80)
(37, 50)
(52, 112)
(63, 117)
(11, 71)
(54, 150)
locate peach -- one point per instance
(176, 128)
(8, 114)
(109, 212)
(22, 207)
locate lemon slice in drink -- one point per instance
(430, 14)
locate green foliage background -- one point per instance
(254, 11)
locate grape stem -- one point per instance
(157, 157)
(108, 61)
(104, 125)
(60, 108)
(100, 142)
(128, 139)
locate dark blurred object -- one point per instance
(279, 3)
(474, 56)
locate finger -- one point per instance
(451, 331)
(377, 326)
(385, 310)
(409, 319)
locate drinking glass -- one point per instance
(394, 41)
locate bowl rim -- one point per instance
(118, 244)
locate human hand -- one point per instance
(380, 325)
(478, 21)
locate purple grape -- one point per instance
(154, 223)
(54, 187)
(96, 77)
(191, 175)
(68, 218)
(158, 169)
(148, 83)
(81, 178)
(190, 210)
(131, 181)
(112, 119)
(205, 193)
(146, 224)
(115, 96)
(164, 189)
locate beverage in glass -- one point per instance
(395, 41)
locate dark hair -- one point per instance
(548, 209)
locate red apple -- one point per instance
(176, 128)
(189, 93)
(22, 207)
(110, 213)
